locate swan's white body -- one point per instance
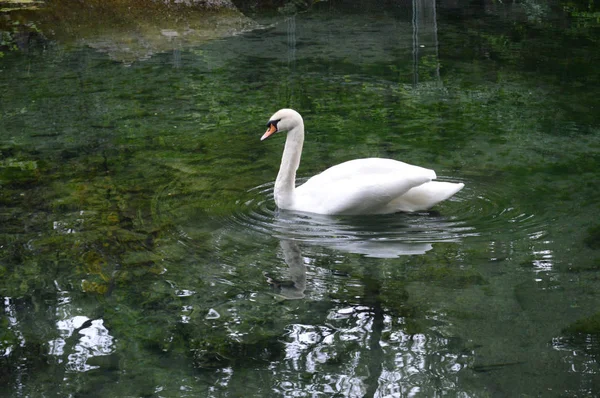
(360, 186)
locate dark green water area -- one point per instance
(141, 253)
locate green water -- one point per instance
(141, 253)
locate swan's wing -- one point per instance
(359, 186)
(424, 196)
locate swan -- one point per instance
(359, 186)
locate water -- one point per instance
(141, 253)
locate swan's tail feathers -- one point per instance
(425, 196)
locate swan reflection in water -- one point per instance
(292, 289)
(378, 236)
(382, 236)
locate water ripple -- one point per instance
(482, 210)
(261, 215)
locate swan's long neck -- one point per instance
(285, 184)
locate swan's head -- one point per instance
(282, 120)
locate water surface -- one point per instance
(141, 253)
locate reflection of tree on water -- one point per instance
(371, 312)
(352, 338)
(363, 348)
(424, 36)
(375, 354)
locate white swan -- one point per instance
(360, 186)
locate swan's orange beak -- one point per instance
(272, 129)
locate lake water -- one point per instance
(141, 253)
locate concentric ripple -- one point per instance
(260, 214)
(489, 207)
(481, 210)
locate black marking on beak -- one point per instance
(271, 129)
(274, 123)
